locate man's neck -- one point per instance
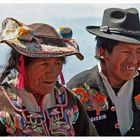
(115, 83)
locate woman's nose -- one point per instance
(51, 69)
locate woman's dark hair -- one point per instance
(11, 67)
(105, 43)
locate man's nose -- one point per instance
(133, 58)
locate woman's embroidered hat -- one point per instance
(119, 24)
(37, 40)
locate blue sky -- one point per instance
(36, 12)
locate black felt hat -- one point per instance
(119, 24)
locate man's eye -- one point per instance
(125, 51)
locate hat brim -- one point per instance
(114, 36)
(21, 38)
(46, 51)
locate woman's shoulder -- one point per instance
(71, 95)
(7, 97)
(2, 99)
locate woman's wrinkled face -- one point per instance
(122, 64)
(41, 75)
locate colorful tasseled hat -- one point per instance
(37, 40)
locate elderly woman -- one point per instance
(32, 101)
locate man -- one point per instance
(111, 91)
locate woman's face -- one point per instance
(41, 75)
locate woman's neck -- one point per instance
(38, 97)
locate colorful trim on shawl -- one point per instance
(54, 121)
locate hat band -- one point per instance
(107, 29)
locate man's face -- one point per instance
(41, 75)
(122, 64)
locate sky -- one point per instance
(75, 15)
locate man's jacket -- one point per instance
(91, 91)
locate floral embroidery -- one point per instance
(100, 101)
(60, 95)
(137, 101)
(71, 114)
(58, 120)
(19, 122)
(6, 120)
(81, 94)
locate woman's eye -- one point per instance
(58, 63)
(45, 63)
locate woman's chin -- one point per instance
(46, 91)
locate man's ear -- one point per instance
(102, 53)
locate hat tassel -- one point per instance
(20, 83)
(62, 78)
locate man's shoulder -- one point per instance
(82, 77)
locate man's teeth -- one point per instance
(130, 68)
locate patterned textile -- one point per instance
(53, 121)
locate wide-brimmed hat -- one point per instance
(37, 40)
(119, 24)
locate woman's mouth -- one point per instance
(49, 82)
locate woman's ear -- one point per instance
(18, 66)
